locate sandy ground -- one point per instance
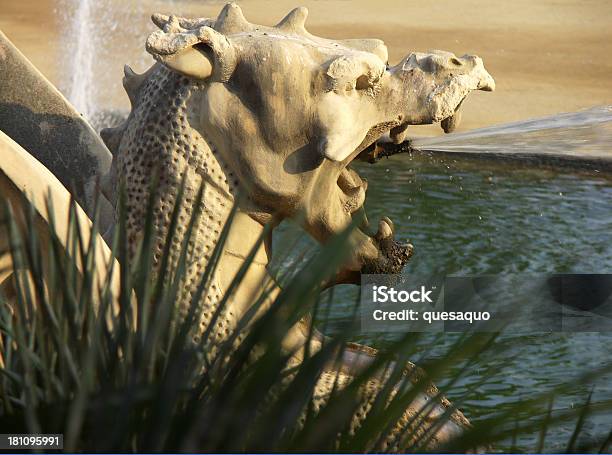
(547, 56)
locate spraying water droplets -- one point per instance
(99, 37)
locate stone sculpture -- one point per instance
(270, 118)
(276, 115)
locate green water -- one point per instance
(476, 217)
(472, 217)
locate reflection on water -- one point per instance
(478, 217)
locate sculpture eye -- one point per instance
(456, 61)
(428, 64)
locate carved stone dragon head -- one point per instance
(286, 112)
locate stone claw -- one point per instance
(385, 231)
(388, 221)
(392, 256)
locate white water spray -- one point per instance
(585, 135)
(100, 36)
(81, 62)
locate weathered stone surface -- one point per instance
(284, 113)
(37, 116)
(269, 118)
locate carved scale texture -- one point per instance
(406, 431)
(158, 138)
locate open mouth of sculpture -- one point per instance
(450, 123)
(353, 187)
(387, 142)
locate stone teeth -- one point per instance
(451, 123)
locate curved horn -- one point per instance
(189, 53)
(294, 21)
(223, 51)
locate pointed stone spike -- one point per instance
(231, 20)
(131, 83)
(160, 20)
(294, 21)
(128, 72)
